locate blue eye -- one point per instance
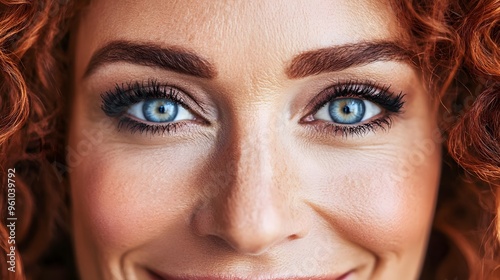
(159, 111)
(348, 111)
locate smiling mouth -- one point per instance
(160, 276)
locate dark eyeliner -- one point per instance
(116, 102)
(391, 103)
(380, 95)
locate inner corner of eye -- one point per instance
(323, 113)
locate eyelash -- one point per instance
(116, 102)
(380, 95)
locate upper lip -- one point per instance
(161, 276)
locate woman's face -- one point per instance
(249, 140)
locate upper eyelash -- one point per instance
(380, 95)
(115, 102)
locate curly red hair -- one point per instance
(459, 38)
(30, 134)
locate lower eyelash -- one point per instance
(383, 123)
(380, 95)
(116, 102)
(134, 126)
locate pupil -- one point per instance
(162, 109)
(346, 110)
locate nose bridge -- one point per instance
(254, 211)
(250, 211)
(254, 152)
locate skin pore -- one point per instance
(252, 179)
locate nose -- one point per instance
(249, 202)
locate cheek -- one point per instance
(124, 198)
(382, 199)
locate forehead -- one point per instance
(253, 30)
(192, 15)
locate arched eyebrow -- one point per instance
(338, 58)
(170, 58)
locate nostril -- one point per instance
(243, 233)
(251, 243)
(293, 237)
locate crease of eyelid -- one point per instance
(382, 121)
(376, 93)
(179, 95)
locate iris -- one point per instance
(160, 110)
(347, 110)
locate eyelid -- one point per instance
(116, 102)
(378, 94)
(390, 103)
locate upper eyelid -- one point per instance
(354, 88)
(319, 100)
(126, 90)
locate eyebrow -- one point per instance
(338, 58)
(169, 58)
